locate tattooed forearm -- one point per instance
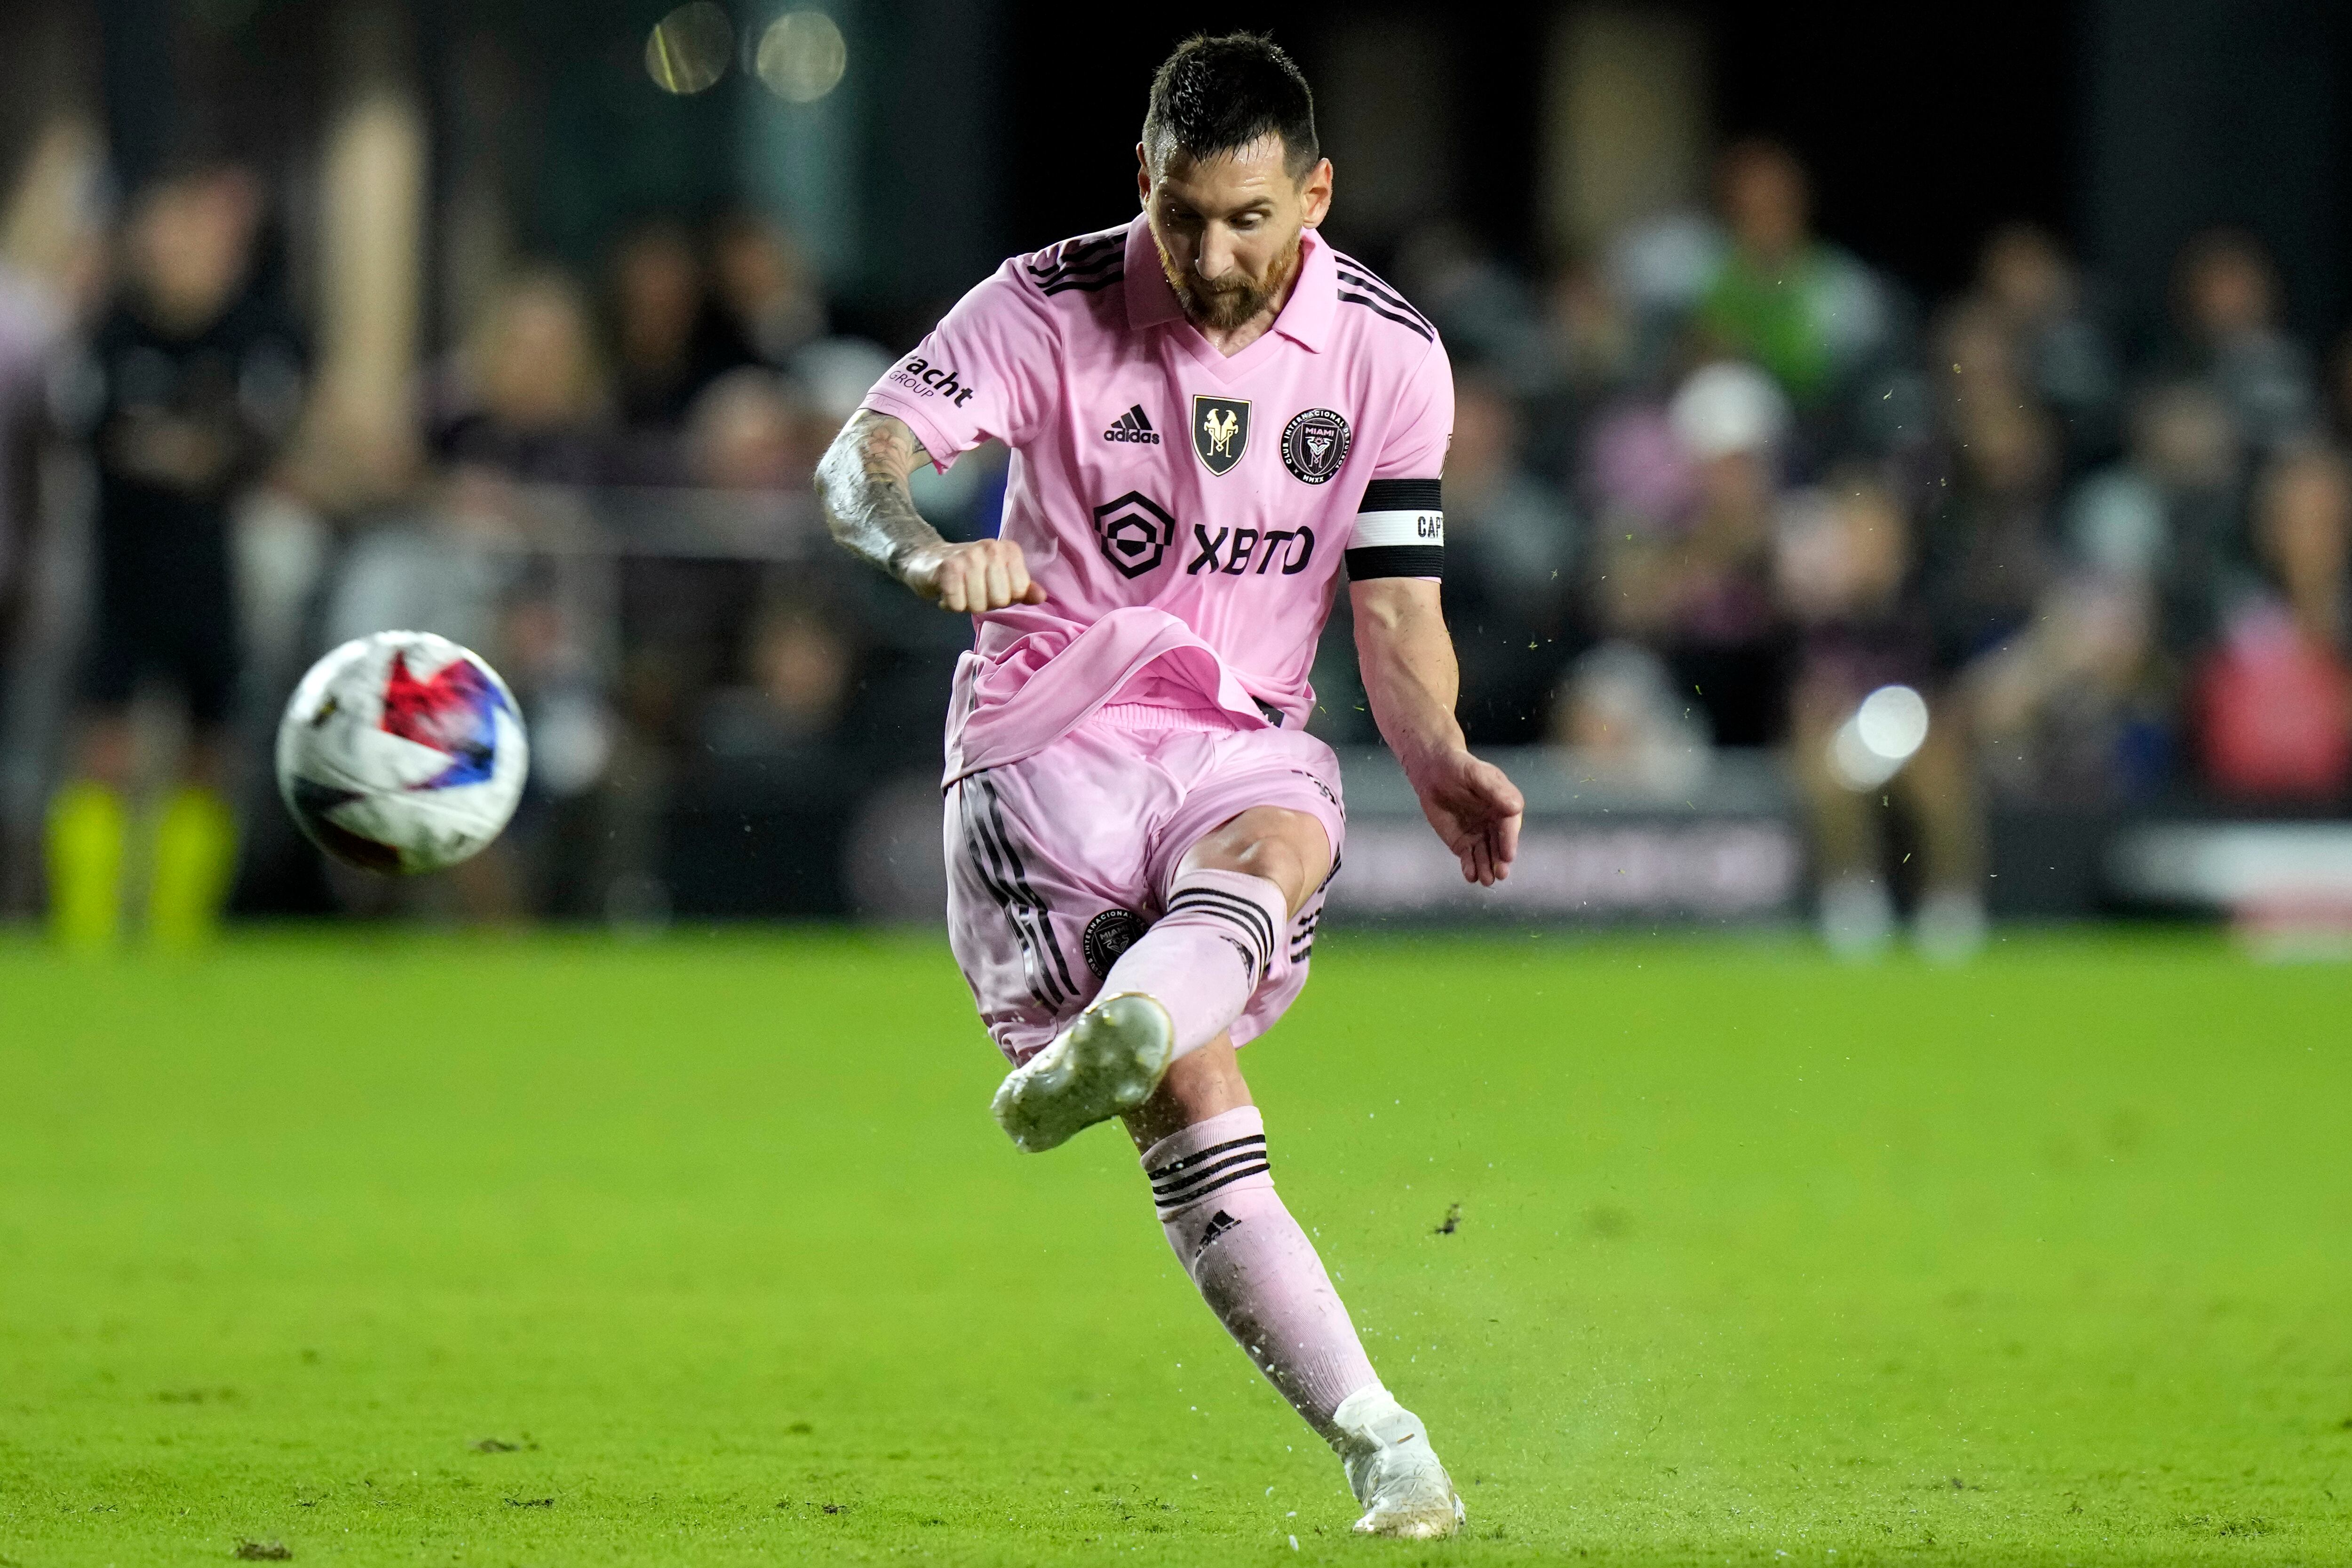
(862, 486)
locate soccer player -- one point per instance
(1209, 411)
(200, 379)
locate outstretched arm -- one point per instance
(1407, 661)
(862, 486)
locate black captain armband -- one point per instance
(1400, 531)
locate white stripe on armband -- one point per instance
(1375, 530)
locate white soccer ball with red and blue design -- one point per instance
(402, 753)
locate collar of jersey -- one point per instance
(1306, 318)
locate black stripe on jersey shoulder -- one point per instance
(1091, 268)
(1084, 285)
(1377, 308)
(1402, 495)
(1369, 562)
(1354, 271)
(1085, 248)
(1078, 259)
(1384, 296)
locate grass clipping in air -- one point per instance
(394, 1249)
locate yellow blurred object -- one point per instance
(195, 851)
(689, 50)
(87, 831)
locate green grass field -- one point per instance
(554, 1251)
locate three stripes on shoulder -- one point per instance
(1085, 264)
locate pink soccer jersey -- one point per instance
(1186, 514)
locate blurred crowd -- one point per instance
(1711, 485)
(602, 486)
(1718, 482)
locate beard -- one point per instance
(1230, 300)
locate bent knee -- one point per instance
(1287, 848)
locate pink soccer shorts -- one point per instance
(1058, 862)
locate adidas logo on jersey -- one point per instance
(1133, 426)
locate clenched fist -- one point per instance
(986, 575)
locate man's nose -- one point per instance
(1216, 257)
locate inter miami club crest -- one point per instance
(1314, 444)
(1220, 430)
(1108, 935)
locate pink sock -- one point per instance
(1206, 956)
(1252, 1263)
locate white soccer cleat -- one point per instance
(1406, 1493)
(1107, 1062)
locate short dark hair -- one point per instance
(1219, 95)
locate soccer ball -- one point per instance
(402, 753)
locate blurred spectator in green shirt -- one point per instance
(1804, 309)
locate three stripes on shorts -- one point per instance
(1007, 881)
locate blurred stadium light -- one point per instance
(689, 50)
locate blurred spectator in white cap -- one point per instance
(1728, 409)
(1698, 588)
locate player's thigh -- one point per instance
(1288, 847)
(1256, 796)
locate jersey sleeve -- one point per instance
(1399, 529)
(985, 373)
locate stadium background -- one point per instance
(382, 1228)
(2110, 438)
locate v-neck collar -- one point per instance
(1306, 318)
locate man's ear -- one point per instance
(1315, 193)
(1143, 175)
